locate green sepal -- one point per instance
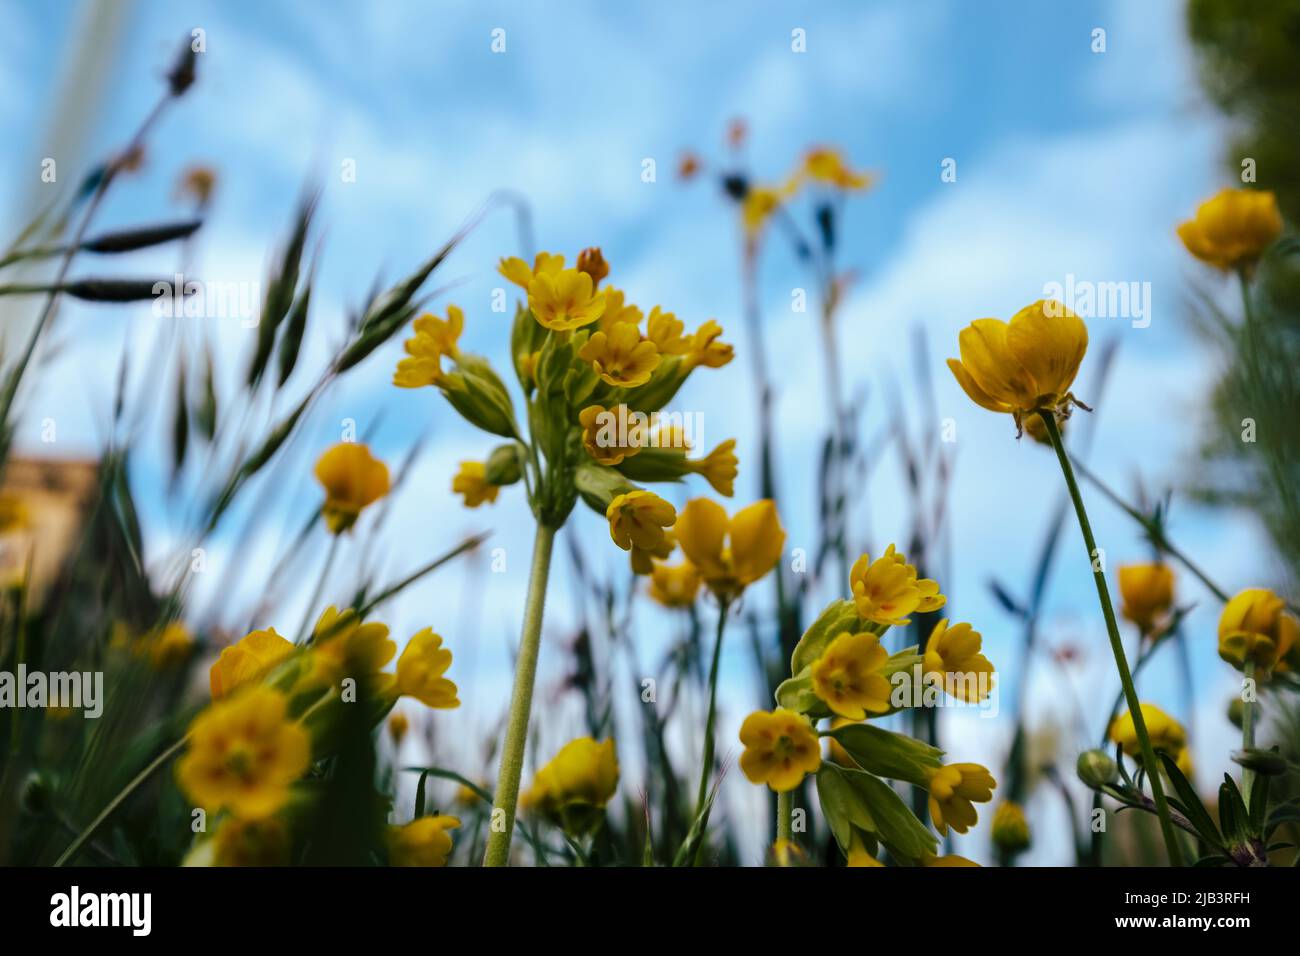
(887, 754)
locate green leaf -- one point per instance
(855, 798)
(1192, 808)
(1233, 819)
(841, 806)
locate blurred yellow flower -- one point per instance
(643, 561)
(824, 164)
(345, 646)
(665, 330)
(758, 206)
(574, 787)
(353, 479)
(434, 338)
(1256, 626)
(617, 310)
(719, 467)
(422, 842)
(171, 645)
(611, 434)
(788, 853)
(592, 262)
(1024, 365)
(1010, 828)
(780, 748)
(954, 790)
(1148, 594)
(621, 357)
(243, 755)
(705, 349)
(420, 668)
(1232, 228)
(887, 590)
(1166, 734)
(849, 677)
(859, 855)
(954, 654)
(243, 843)
(518, 271)
(248, 660)
(951, 860)
(565, 300)
(471, 483)
(638, 519)
(398, 725)
(674, 585)
(730, 553)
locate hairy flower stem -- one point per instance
(1248, 729)
(521, 703)
(1116, 645)
(785, 815)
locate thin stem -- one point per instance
(1116, 645)
(785, 815)
(1248, 729)
(521, 703)
(88, 834)
(706, 770)
(316, 593)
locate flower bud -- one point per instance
(1270, 763)
(1097, 769)
(503, 465)
(1235, 708)
(593, 263)
(35, 795)
(1010, 828)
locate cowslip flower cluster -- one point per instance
(277, 709)
(841, 671)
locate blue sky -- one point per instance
(1069, 162)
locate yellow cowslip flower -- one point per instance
(788, 853)
(617, 310)
(1010, 828)
(824, 164)
(344, 645)
(954, 790)
(621, 357)
(247, 661)
(665, 330)
(528, 366)
(565, 300)
(719, 467)
(353, 479)
(706, 350)
(638, 519)
(859, 855)
(836, 752)
(674, 585)
(518, 272)
(471, 483)
(758, 206)
(244, 753)
(1166, 734)
(1025, 365)
(951, 860)
(171, 645)
(422, 842)
(730, 553)
(1148, 594)
(670, 435)
(849, 676)
(398, 725)
(420, 668)
(954, 654)
(434, 338)
(251, 843)
(780, 748)
(1232, 228)
(611, 434)
(887, 590)
(574, 787)
(1256, 626)
(643, 561)
(592, 262)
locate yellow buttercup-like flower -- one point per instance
(637, 519)
(954, 791)
(353, 479)
(420, 668)
(247, 661)
(434, 338)
(674, 585)
(1255, 626)
(705, 349)
(1232, 228)
(611, 434)
(730, 553)
(780, 748)
(620, 356)
(886, 590)
(1148, 593)
(719, 467)
(1010, 828)
(1025, 365)
(422, 842)
(954, 654)
(574, 787)
(849, 676)
(824, 164)
(344, 645)
(518, 271)
(471, 483)
(565, 300)
(1166, 734)
(244, 752)
(618, 310)
(665, 330)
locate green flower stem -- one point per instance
(314, 600)
(706, 770)
(785, 815)
(521, 703)
(1116, 645)
(1248, 730)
